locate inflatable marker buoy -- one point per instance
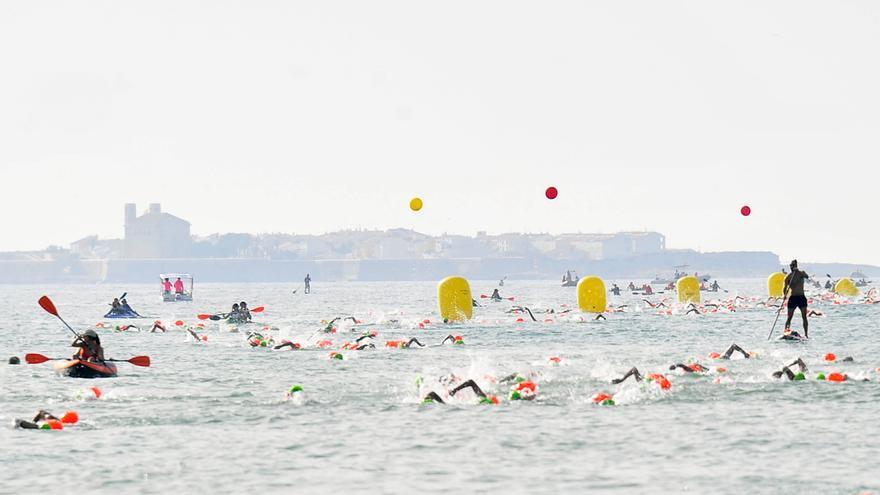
(775, 284)
(591, 297)
(455, 299)
(830, 357)
(688, 289)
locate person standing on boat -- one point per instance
(89, 347)
(794, 283)
(178, 286)
(308, 284)
(166, 286)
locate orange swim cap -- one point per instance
(714, 355)
(661, 380)
(830, 357)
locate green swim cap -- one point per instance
(820, 376)
(337, 356)
(608, 402)
(520, 379)
(515, 395)
(428, 400)
(800, 376)
(45, 426)
(486, 400)
(295, 388)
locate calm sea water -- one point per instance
(211, 417)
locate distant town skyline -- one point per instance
(315, 117)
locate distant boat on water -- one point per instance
(680, 272)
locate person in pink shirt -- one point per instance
(166, 285)
(178, 286)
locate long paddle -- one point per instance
(781, 305)
(34, 358)
(221, 316)
(484, 296)
(49, 306)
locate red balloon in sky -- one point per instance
(551, 192)
(746, 211)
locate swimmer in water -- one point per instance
(689, 368)
(615, 289)
(39, 419)
(735, 348)
(433, 397)
(794, 282)
(157, 326)
(403, 344)
(634, 372)
(195, 335)
(330, 328)
(786, 370)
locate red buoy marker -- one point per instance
(551, 192)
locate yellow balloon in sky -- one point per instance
(415, 204)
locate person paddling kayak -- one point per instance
(89, 347)
(794, 286)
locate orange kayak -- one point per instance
(75, 368)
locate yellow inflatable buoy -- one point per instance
(688, 289)
(846, 287)
(454, 297)
(775, 284)
(415, 204)
(591, 295)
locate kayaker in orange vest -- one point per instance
(89, 347)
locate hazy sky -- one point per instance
(311, 116)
